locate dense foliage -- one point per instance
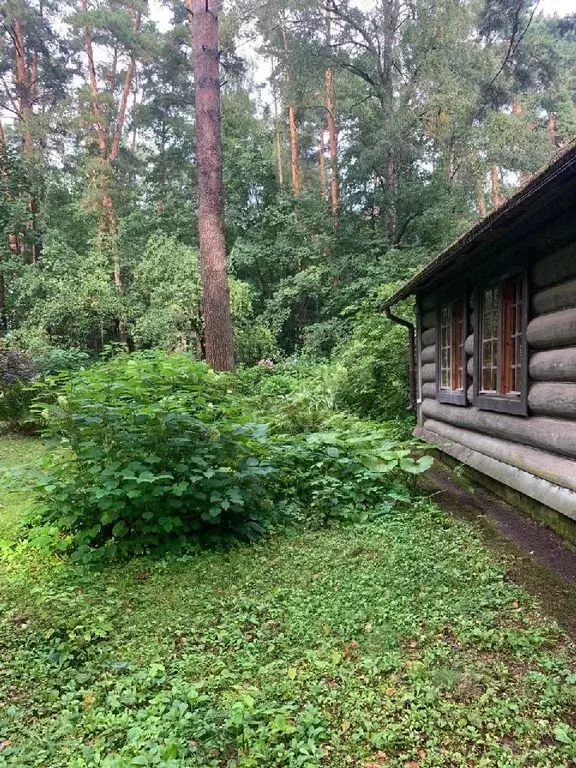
(154, 450)
(406, 121)
(384, 645)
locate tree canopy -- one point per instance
(356, 143)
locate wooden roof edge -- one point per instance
(535, 185)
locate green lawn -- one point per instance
(397, 644)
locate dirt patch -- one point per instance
(536, 557)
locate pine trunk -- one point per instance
(551, 128)
(278, 131)
(219, 337)
(332, 133)
(293, 150)
(333, 137)
(495, 186)
(481, 201)
(294, 164)
(322, 154)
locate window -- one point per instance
(451, 384)
(500, 376)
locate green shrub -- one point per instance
(154, 451)
(373, 375)
(17, 370)
(157, 451)
(351, 474)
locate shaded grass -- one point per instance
(15, 452)
(397, 644)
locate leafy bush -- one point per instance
(154, 452)
(347, 475)
(158, 451)
(17, 370)
(373, 375)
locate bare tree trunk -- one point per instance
(109, 148)
(333, 138)
(293, 150)
(217, 321)
(480, 199)
(322, 154)
(392, 187)
(294, 165)
(551, 128)
(495, 186)
(278, 131)
(332, 133)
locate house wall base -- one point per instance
(540, 512)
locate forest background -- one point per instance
(358, 140)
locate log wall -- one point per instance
(535, 454)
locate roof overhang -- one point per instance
(540, 188)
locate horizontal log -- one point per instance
(428, 337)
(469, 345)
(428, 319)
(428, 372)
(554, 365)
(555, 469)
(428, 354)
(470, 367)
(562, 296)
(547, 434)
(429, 389)
(558, 329)
(553, 399)
(562, 500)
(555, 268)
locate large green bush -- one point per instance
(157, 451)
(154, 450)
(373, 375)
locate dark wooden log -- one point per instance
(469, 345)
(428, 320)
(562, 500)
(555, 268)
(554, 365)
(553, 399)
(428, 302)
(429, 389)
(558, 329)
(428, 372)
(555, 469)
(428, 354)
(553, 299)
(548, 434)
(428, 337)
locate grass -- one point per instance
(397, 644)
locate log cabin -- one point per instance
(494, 347)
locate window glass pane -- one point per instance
(490, 342)
(512, 310)
(445, 345)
